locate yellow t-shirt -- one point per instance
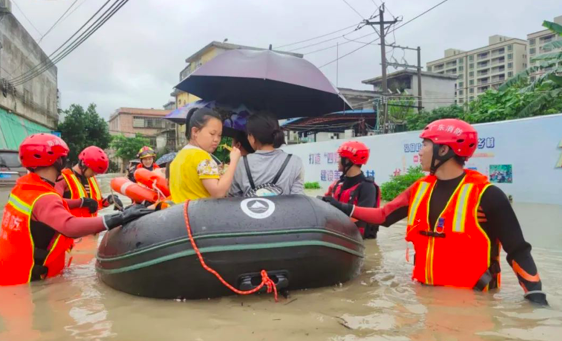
(190, 166)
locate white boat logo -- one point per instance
(257, 208)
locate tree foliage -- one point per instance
(83, 128)
(399, 183)
(127, 148)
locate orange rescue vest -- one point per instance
(77, 191)
(20, 261)
(456, 251)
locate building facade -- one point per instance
(438, 90)
(149, 123)
(483, 68)
(537, 40)
(31, 105)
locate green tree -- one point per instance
(417, 121)
(127, 148)
(399, 183)
(82, 129)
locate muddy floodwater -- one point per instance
(382, 303)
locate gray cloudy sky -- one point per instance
(134, 60)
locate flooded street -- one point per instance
(381, 304)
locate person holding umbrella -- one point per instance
(194, 174)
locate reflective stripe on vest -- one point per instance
(461, 207)
(422, 189)
(19, 205)
(95, 192)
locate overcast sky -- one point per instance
(134, 60)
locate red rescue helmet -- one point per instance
(355, 151)
(460, 136)
(95, 158)
(42, 150)
(145, 152)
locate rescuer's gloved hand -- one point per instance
(345, 208)
(90, 204)
(129, 214)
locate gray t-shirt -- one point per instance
(264, 165)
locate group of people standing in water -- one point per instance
(456, 220)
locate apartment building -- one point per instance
(483, 68)
(537, 40)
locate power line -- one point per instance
(354, 10)
(314, 38)
(347, 42)
(77, 42)
(323, 41)
(74, 10)
(404, 24)
(25, 16)
(56, 22)
(38, 66)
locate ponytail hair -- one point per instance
(198, 118)
(264, 127)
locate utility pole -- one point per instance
(418, 67)
(419, 81)
(381, 23)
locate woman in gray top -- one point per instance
(271, 170)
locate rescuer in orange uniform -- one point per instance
(37, 226)
(80, 187)
(456, 219)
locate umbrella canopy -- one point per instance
(265, 80)
(166, 158)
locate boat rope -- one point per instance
(265, 280)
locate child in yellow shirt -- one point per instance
(194, 174)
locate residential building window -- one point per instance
(460, 92)
(510, 56)
(532, 51)
(471, 73)
(510, 74)
(470, 58)
(510, 65)
(146, 122)
(471, 90)
(461, 84)
(532, 42)
(461, 61)
(461, 100)
(471, 82)
(471, 66)
(460, 76)
(472, 98)
(461, 68)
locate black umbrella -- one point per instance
(265, 80)
(166, 158)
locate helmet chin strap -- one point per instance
(347, 164)
(441, 158)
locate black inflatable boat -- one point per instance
(300, 241)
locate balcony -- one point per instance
(483, 56)
(498, 61)
(498, 52)
(498, 69)
(482, 65)
(439, 67)
(498, 79)
(482, 73)
(451, 72)
(484, 81)
(483, 89)
(451, 64)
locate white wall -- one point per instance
(531, 146)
